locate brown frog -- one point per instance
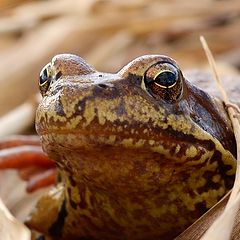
(141, 153)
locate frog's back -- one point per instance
(205, 81)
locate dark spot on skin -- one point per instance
(57, 227)
(58, 75)
(199, 154)
(120, 109)
(72, 181)
(73, 204)
(201, 208)
(172, 150)
(59, 108)
(192, 193)
(208, 175)
(69, 190)
(223, 169)
(100, 75)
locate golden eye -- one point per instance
(166, 79)
(47, 76)
(163, 81)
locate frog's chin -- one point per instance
(112, 168)
(88, 146)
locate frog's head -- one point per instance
(140, 95)
(148, 108)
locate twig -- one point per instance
(19, 119)
(10, 227)
(217, 231)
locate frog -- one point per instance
(141, 154)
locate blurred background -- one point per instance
(108, 34)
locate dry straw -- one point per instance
(222, 228)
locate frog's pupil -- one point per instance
(43, 76)
(166, 78)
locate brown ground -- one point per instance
(108, 34)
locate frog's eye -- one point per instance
(47, 76)
(163, 81)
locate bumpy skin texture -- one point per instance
(132, 166)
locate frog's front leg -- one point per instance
(25, 153)
(48, 215)
(19, 140)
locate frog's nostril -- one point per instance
(101, 85)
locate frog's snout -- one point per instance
(62, 65)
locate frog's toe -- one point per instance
(19, 140)
(42, 179)
(25, 154)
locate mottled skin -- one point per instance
(134, 164)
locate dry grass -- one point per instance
(108, 34)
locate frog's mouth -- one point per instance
(133, 164)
